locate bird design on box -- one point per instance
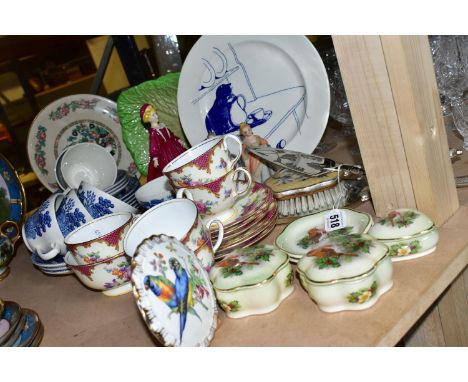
(177, 295)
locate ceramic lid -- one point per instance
(342, 257)
(173, 292)
(308, 232)
(401, 223)
(247, 267)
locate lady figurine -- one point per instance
(257, 169)
(164, 146)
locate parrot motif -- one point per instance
(177, 295)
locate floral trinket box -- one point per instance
(349, 272)
(408, 233)
(252, 280)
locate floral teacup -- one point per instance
(154, 192)
(178, 218)
(218, 197)
(100, 238)
(203, 163)
(42, 231)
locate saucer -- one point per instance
(246, 206)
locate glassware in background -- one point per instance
(339, 107)
(460, 118)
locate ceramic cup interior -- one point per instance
(158, 188)
(88, 162)
(58, 172)
(98, 228)
(173, 218)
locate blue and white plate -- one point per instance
(276, 84)
(12, 197)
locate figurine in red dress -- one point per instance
(164, 145)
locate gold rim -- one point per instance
(426, 231)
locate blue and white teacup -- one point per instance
(99, 203)
(41, 231)
(71, 214)
(154, 192)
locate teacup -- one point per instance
(88, 162)
(42, 231)
(71, 214)
(203, 163)
(111, 275)
(100, 238)
(217, 198)
(7, 245)
(154, 192)
(178, 218)
(99, 203)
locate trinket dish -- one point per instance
(408, 233)
(350, 272)
(173, 292)
(252, 280)
(308, 232)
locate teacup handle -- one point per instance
(220, 232)
(5, 225)
(249, 181)
(51, 254)
(183, 192)
(237, 140)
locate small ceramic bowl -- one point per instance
(407, 233)
(308, 232)
(252, 280)
(154, 192)
(347, 273)
(99, 203)
(111, 276)
(88, 162)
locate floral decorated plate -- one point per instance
(12, 196)
(70, 120)
(308, 232)
(276, 84)
(173, 292)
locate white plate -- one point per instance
(173, 292)
(70, 120)
(283, 76)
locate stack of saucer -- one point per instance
(127, 193)
(120, 183)
(54, 267)
(19, 327)
(255, 217)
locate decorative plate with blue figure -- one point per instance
(276, 84)
(12, 196)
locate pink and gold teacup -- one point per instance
(217, 197)
(203, 163)
(100, 238)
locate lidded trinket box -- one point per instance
(252, 280)
(348, 272)
(408, 233)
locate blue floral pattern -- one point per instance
(38, 223)
(67, 218)
(95, 208)
(153, 202)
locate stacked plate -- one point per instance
(53, 267)
(127, 194)
(255, 218)
(19, 327)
